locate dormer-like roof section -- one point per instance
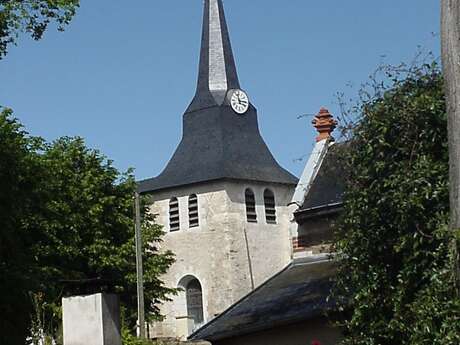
(321, 186)
(328, 186)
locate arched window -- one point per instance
(194, 296)
(174, 221)
(193, 216)
(270, 209)
(251, 214)
(193, 293)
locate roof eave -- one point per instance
(164, 188)
(266, 326)
(239, 332)
(318, 211)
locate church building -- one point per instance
(222, 198)
(294, 305)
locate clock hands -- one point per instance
(239, 102)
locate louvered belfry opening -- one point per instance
(270, 209)
(174, 220)
(251, 214)
(193, 215)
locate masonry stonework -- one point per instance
(226, 254)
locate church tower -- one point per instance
(222, 198)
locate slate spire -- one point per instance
(217, 143)
(217, 70)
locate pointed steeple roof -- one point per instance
(217, 70)
(218, 143)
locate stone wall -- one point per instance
(223, 250)
(268, 244)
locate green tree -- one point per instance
(86, 229)
(32, 16)
(395, 276)
(17, 191)
(73, 221)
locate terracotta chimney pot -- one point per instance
(325, 124)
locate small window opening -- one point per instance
(174, 220)
(251, 214)
(270, 209)
(193, 216)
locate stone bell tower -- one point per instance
(222, 198)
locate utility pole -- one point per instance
(139, 269)
(450, 44)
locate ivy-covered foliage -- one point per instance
(67, 215)
(32, 16)
(395, 273)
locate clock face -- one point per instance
(239, 101)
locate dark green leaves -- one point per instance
(393, 238)
(66, 213)
(32, 16)
(17, 182)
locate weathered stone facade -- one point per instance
(228, 255)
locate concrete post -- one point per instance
(91, 320)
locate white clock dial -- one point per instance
(239, 101)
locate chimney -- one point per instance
(325, 124)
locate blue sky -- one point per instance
(123, 73)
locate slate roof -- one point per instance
(297, 293)
(217, 143)
(217, 70)
(328, 186)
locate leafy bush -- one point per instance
(394, 263)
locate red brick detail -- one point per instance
(299, 243)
